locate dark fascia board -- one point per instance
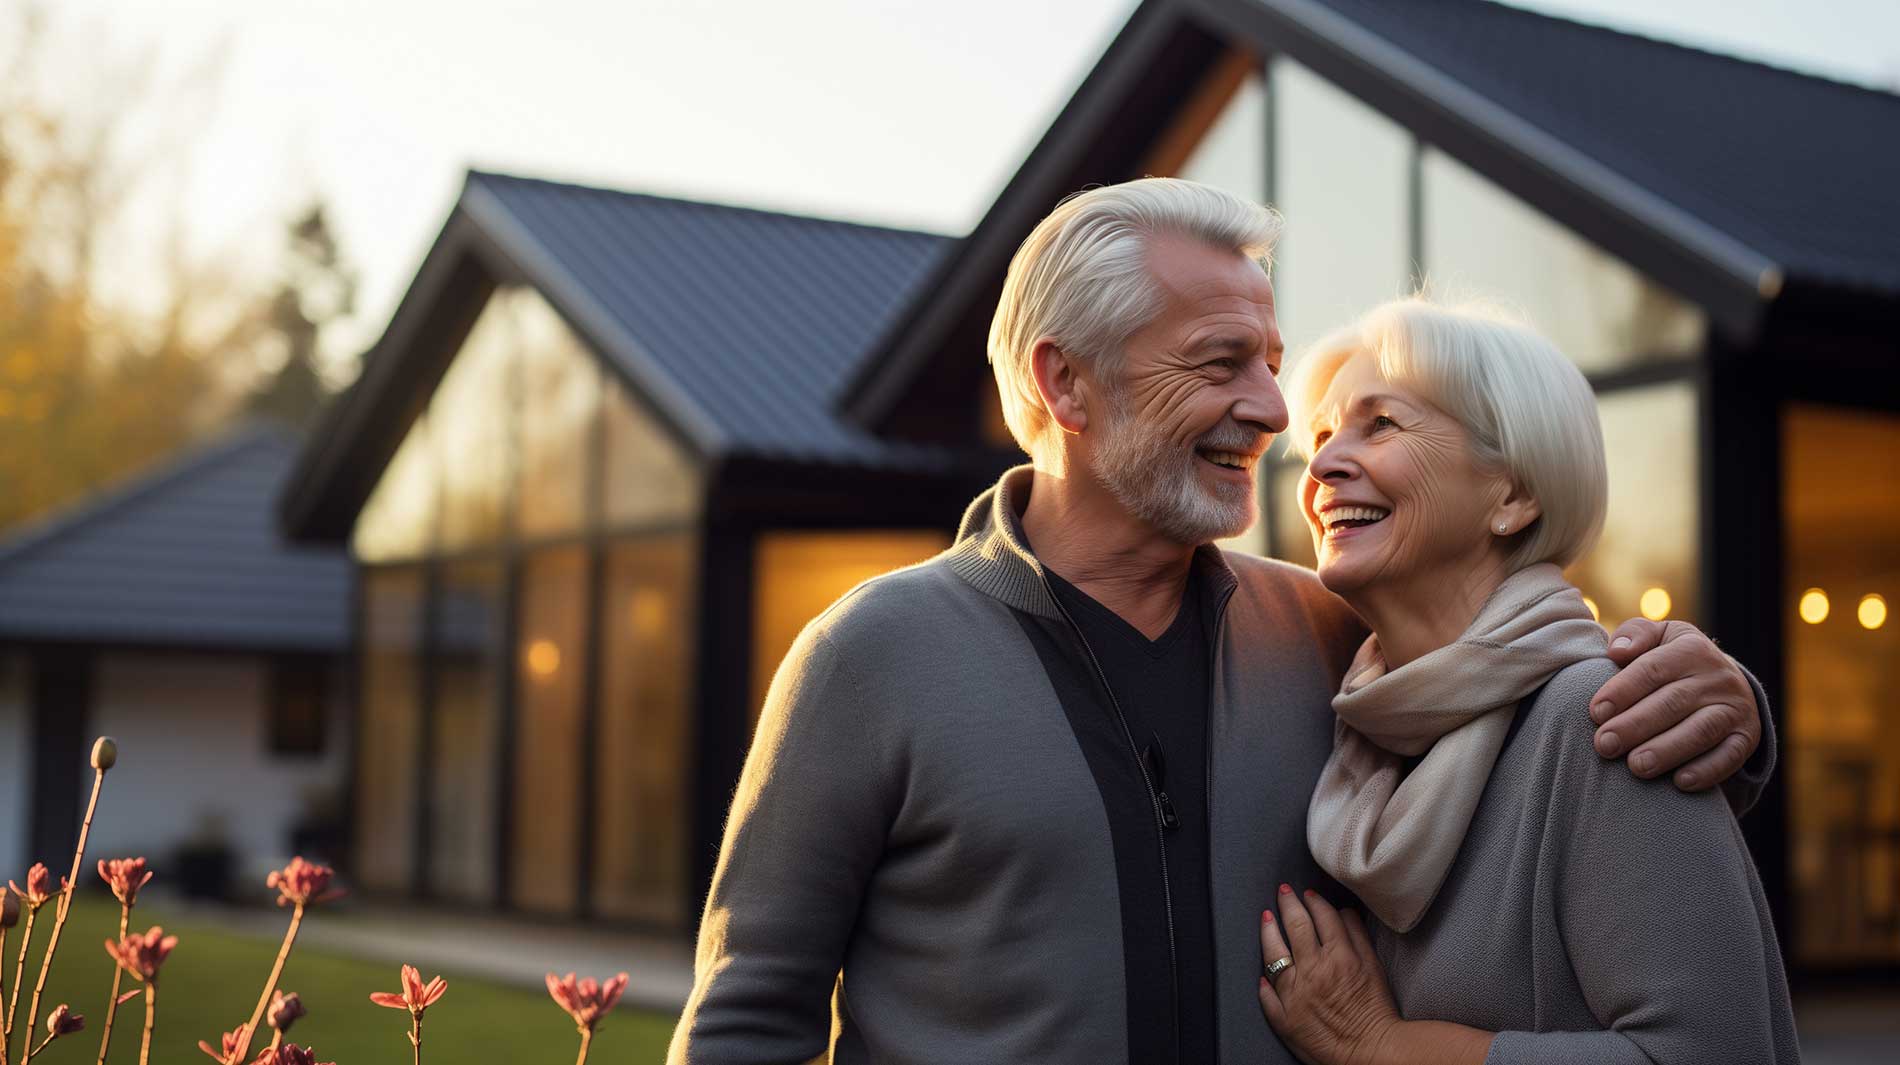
(481, 247)
(1729, 279)
(1044, 177)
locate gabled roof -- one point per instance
(1735, 183)
(737, 327)
(187, 555)
(1800, 169)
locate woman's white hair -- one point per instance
(1528, 410)
(1081, 278)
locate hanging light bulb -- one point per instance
(1813, 607)
(1655, 604)
(1873, 611)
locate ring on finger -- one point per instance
(1279, 965)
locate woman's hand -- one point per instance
(1332, 1005)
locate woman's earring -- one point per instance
(1502, 527)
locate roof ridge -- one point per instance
(195, 457)
(1649, 37)
(475, 174)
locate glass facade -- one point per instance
(465, 728)
(391, 728)
(1645, 564)
(648, 610)
(531, 471)
(550, 671)
(1342, 178)
(797, 575)
(1480, 242)
(1842, 743)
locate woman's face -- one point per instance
(1393, 494)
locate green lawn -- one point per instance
(212, 980)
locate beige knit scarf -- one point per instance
(1392, 841)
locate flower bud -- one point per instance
(105, 753)
(284, 1010)
(9, 909)
(63, 1021)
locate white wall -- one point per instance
(16, 751)
(193, 735)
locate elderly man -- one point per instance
(1024, 802)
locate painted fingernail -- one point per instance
(1310, 893)
(1619, 643)
(1643, 761)
(1285, 890)
(1266, 916)
(1609, 745)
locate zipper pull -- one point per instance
(1168, 818)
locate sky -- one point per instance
(901, 112)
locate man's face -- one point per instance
(1196, 401)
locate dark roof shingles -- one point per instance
(1800, 168)
(187, 555)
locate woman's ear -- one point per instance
(1060, 387)
(1515, 512)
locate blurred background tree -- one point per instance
(95, 384)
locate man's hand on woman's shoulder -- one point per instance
(1678, 704)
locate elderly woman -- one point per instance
(1533, 902)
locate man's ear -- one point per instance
(1060, 387)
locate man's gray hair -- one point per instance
(1081, 278)
(1527, 408)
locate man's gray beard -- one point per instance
(1155, 480)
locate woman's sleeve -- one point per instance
(1654, 898)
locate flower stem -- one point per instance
(276, 970)
(151, 1021)
(65, 906)
(19, 977)
(276, 1040)
(118, 973)
(415, 1037)
(587, 1036)
(6, 1026)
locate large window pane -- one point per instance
(1645, 563)
(398, 519)
(391, 728)
(1842, 749)
(560, 407)
(465, 730)
(1232, 155)
(650, 479)
(1483, 243)
(549, 662)
(1342, 175)
(798, 574)
(647, 621)
(472, 419)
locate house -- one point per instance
(597, 415)
(169, 614)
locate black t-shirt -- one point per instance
(1163, 686)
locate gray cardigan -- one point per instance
(1619, 918)
(917, 813)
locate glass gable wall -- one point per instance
(530, 547)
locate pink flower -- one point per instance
(289, 1054)
(39, 886)
(302, 883)
(232, 1044)
(415, 996)
(284, 1010)
(63, 1021)
(126, 876)
(587, 1001)
(141, 955)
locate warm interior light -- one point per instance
(1813, 606)
(1873, 611)
(1655, 604)
(1595, 615)
(649, 609)
(543, 658)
